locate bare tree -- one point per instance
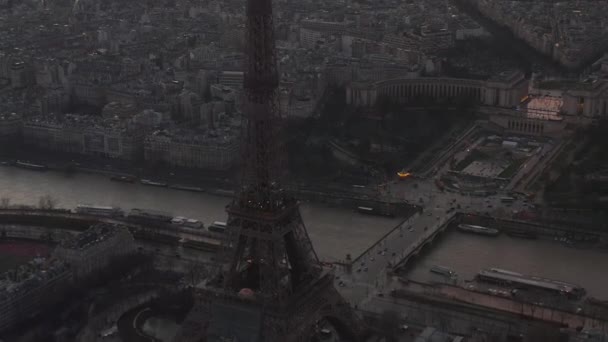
(47, 202)
(5, 202)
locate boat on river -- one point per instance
(30, 166)
(124, 179)
(442, 270)
(153, 183)
(187, 188)
(470, 228)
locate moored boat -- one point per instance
(152, 183)
(374, 211)
(469, 228)
(222, 192)
(124, 179)
(30, 166)
(442, 270)
(187, 188)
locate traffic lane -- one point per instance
(371, 268)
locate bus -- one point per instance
(507, 199)
(218, 227)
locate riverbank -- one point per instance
(335, 231)
(212, 183)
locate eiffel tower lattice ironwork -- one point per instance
(272, 287)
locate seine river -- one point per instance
(467, 254)
(334, 231)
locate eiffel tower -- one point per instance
(272, 287)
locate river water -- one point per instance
(467, 254)
(333, 231)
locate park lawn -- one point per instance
(471, 157)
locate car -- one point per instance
(404, 327)
(380, 294)
(358, 270)
(365, 269)
(341, 284)
(394, 253)
(372, 259)
(383, 253)
(429, 214)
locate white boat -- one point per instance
(30, 166)
(478, 229)
(153, 183)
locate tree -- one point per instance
(5, 202)
(47, 202)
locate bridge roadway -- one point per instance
(18, 215)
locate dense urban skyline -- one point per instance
(273, 170)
